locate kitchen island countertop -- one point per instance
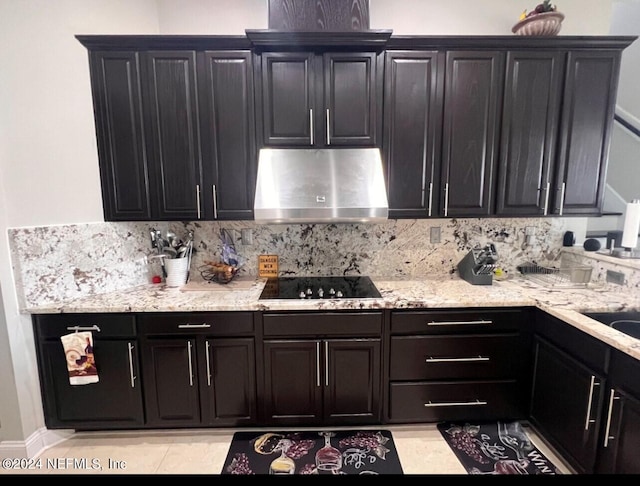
(410, 293)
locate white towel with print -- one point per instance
(81, 364)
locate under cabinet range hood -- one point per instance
(320, 186)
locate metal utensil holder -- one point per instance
(473, 269)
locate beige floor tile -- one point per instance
(421, 449)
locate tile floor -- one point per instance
(421, 449)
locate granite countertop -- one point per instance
(432, 292)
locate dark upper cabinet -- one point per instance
(227, 134)
(472, 103)
(413, 88)
(531, 108)
(588, 106)
(320, 100)
(115, 80)
(173, 141)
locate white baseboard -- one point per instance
(34, 445)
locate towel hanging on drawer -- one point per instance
(81, 364)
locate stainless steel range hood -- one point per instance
(320, 186)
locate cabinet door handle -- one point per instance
(208, 364)
(430, 197)
(562, 189)
(131, 375)
(190, 364)
(215, 201)
(455, 360)
(588, 420)
(446, 199)
(84, 328)
(311, 125)
(317, 363)
(458, 323)
(328, 128)
(546, 198)
(455, 404)
(194, 326)
(198, 199)
(326, 363)
(608, 437)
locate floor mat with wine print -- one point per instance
(495, 448)
(313, 452)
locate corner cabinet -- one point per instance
(568, 390)
(322, 368)
(321, 99)
(175, 128)
(115, 401)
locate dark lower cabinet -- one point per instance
(456, 364)
(322, 381)
(199, 369)
(568, 390)
(620, 438)
(115, 401)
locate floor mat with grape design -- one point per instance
(495, 448)
(313, 452)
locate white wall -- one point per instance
(48, 158)
(482, 17)
(625, 20)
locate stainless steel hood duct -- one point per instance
(320, 186)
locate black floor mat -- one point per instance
(495, 448)
(313, 452)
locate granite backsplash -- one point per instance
(58, 263)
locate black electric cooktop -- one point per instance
(357, 287)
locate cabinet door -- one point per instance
(620, 433)
(170, 382)
(228, 381)
(351, 93)
(413, 121)
(473, 91)
(352, 380)
(293, 382)
(566, 404)
(115, 80)
(585, 131)
(114, 402)
(228, 134)
(529, 125)
(173, 140)
(288, 99)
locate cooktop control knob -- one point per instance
(309, 291)
(338, 294)
(331, 291)
(320, 292)
(303, 295)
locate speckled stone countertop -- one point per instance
(443, 292)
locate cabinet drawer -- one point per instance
(469, 400)
(458, 321)
(440, 357)
(323, 324)
(102, 325)
(209, 323)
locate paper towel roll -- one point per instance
(631, 224)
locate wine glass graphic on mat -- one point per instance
(282, 464)
(328, 458)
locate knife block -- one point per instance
(469, 269)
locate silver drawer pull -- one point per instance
(84, 328)
(455, 360)
(193, 326)
(455, 404)
(458, 323)
(589, 420)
